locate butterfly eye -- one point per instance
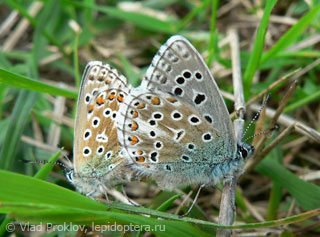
(243, 152)
(69, 176)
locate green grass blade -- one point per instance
(139, 19)
(77, 75)
(213, 31)
(46, 169)
(306, 100)
(274, 201)
(41, 174)
(18, 121)
(45, 203)
(307, 194)
(192, 14)
(19, 81)
(164, 206)
(291, 35)
(255, 57)
(52, 203)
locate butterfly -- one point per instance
(176, 127)
(98, 161)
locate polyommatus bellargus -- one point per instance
(98, 163)
(176, 127)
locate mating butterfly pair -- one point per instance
(174, 128)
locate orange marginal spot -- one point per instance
(134, 126)
(155, 101)
(120, 98)
(112, 96)
(140, 152)
(101, 78)
(100, 100)
(135, 114)
(91, 77)
(134, 140)
(140, 159)
(141, 106)
(91, 108)
(172, 100)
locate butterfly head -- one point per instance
(244, 150)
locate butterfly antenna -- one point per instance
(46, 162)
(262, 133)
(256, 116)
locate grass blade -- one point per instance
(19, 81)
(255, 57)
(291, 35)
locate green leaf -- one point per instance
(46, 169)
(18, 121)
(306, 100)
(139, 19)
(291, 35)
(255, 57)
(19, 81)
(307, 194)
(53, 204)
(164, 206)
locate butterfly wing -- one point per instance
(178, 68)
(96, 146)
(167, 138)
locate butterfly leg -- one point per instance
(89, 195)
(194, 201)
(103, 190)
(129, 200)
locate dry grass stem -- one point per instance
(227, 204)
(21, 28)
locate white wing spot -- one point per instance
(107, 112)
(108, 155)
(86, 134)
(87, 98)
(95, 122)
(101, 137)
(86, 151)
(194, 119)
(207, 137)
(176, 115)
(100, 150)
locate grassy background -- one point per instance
(41, 60)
